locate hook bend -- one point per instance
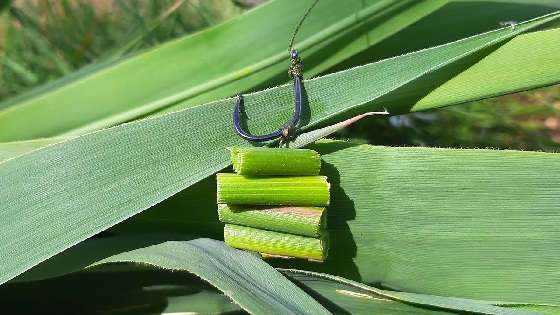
(295, 72)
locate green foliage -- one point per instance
(194, 73)
(133, 291)
(439, 221)
(246, 278)
(149, 160)
(473, 224)
(45, 40)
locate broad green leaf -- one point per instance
(94, 250)
(52, 86)
(244, 277)
(375, 23)
(476, 224)
(69, 191)
(359, 298)
(241, 275)
(490, 77)
(222, 61)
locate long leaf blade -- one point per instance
(320, 281)
(491, 232)
(242, 276)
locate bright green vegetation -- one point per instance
(447, 230)
(279, 190)
(276, 243)
(274, 161)
(248, 288)
(296, 230)
(307, 221)
(42, 41)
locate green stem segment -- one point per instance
(287, 191)
(307, 221)
(275, 161)
(276, 243)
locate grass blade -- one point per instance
(241, 275)
(493, 231)
(319, 281)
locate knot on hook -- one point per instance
(296, 67)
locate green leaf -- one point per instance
(215, 262)
(57, 196)
(457, 19)
(217, 63)
(241, 275)
(359, 298)
(4, 4)
(476, 224)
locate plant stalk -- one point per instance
(284, 190)
(306, 221)
(275, 161)
(276, 243)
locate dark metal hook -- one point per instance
(296, 72)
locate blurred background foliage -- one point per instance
(41, 40)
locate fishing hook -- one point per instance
(295, 72)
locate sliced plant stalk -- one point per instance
(275, 161)
(284, 190)
(306, 221)
(276, 243)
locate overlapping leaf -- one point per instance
(250, 282)
(357, 298)
(335, 31)
(209, 65)
(242, 276)
(124, 292)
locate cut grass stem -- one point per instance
(275, 161)
(306, 221)
(284, 190)
(276, 243)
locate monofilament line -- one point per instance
(299, 24)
